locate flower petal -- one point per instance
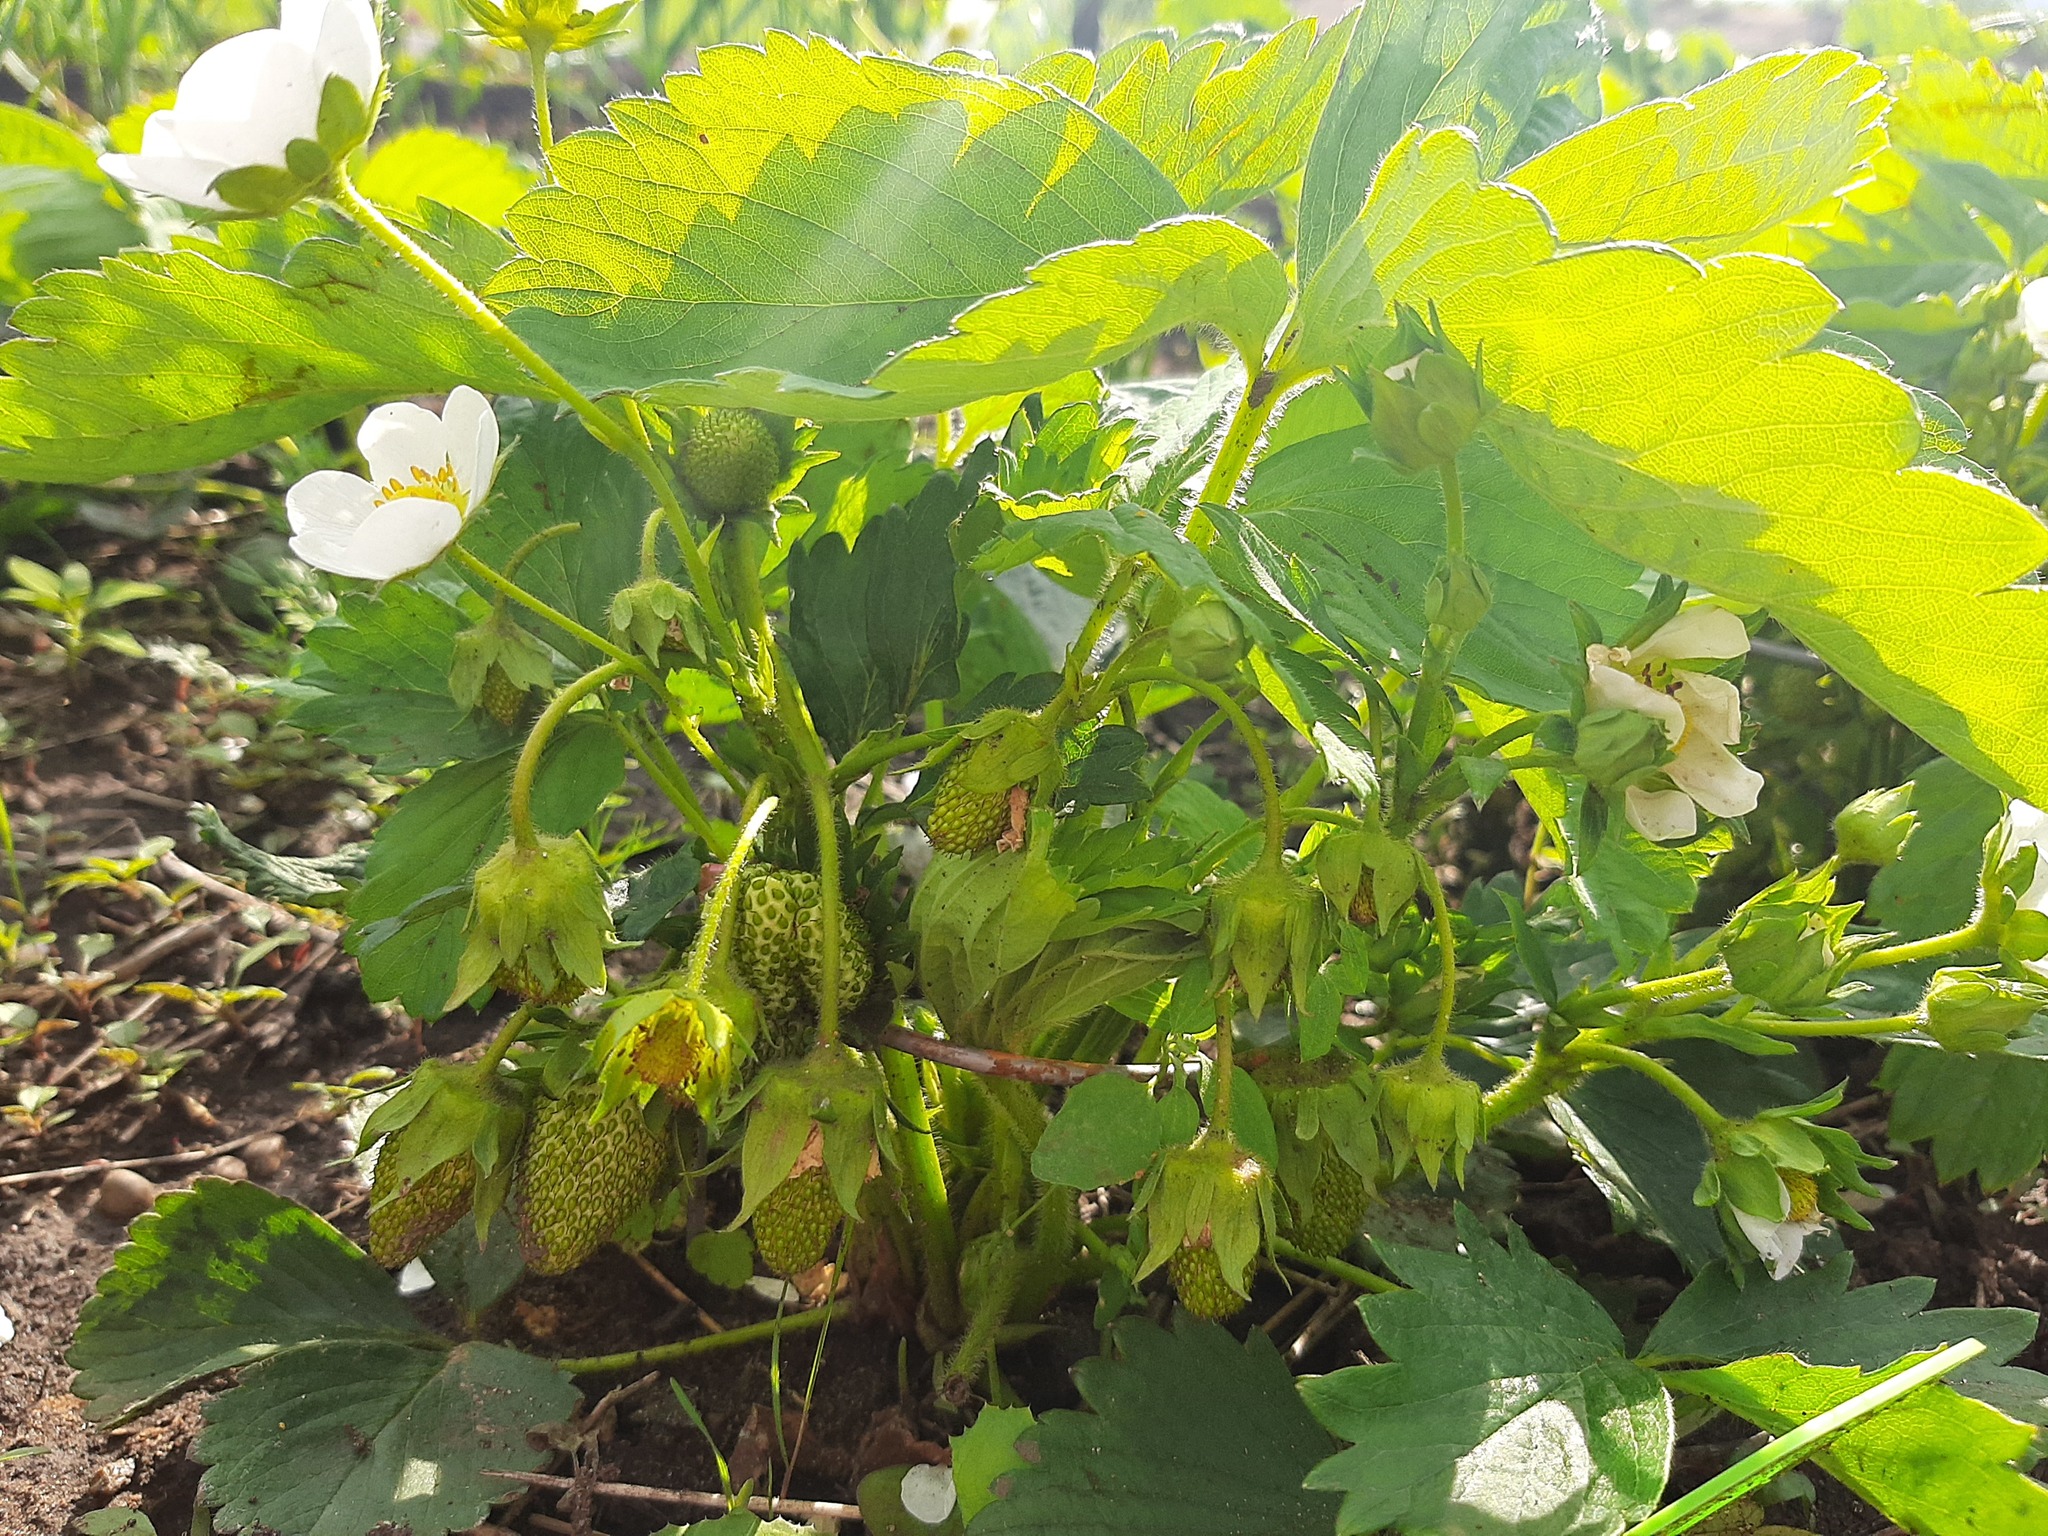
(2027, 827)
(341, 37)
(1777, 1243)
(405, 533)
(171, 175)
(330, 501)
(1699, 633)
(1609, 688)
(243, 100)
(1662, 815)
(472, 433)
(2034, 313)
(399, 438)
(1714, 776)
(1712, 705)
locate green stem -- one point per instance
(1182, 760)
(1545, 1073)
(1976, 934)
(590, 637)
(694, 733)
(1254, 743)
(661, 1354)
(1262, 392)
(503, 1041)
(1106, 606)
(653, 756)
(1226, 1048)
(518, 556)
(650, 545)
(1710, 1118)
(712, 922)
(537, 740)
(829, 822)
(865, 759)
(1447, 961)
(1364, 1279)
(1823, 1028)
(927, 1186)
(543, 119)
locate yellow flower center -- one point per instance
(1803, 1194)
(431, 484)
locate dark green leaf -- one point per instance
(1984, 1115)
(1507, 1405)
(1108, 775)
(1818, 1318)
(1932, 887)
(654, 892)
(874, 630)
(1193, 1434)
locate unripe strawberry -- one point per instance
(856, 963)
(577, 1180)
(1198, 1279)
(503, 700)
(407, 1215)
(965, 820)
(732, 461)
(767, 948)
(793, 1226)
(1335, 1208)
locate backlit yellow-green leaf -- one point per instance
(1727, 163)
(467, 174)
(1085, 307)
(1669, 407)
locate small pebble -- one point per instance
(232, 1168)
(124, 1195)
(265, 1156)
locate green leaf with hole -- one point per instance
(1507, 1403)
(1192, 1434)
(792, 216)
(1936, 1462)
(163, 360)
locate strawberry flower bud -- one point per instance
(1206, 640)
(427, 474)
(1873, 828)
(262, 119)
(1701, 716)
(1973, 1008)
(1775, 1176)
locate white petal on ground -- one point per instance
(928, 1494)
(470, 429)
(415, 1279)
(1700, 633)
(6, 1327)
(1610, 688)
(397, 439)
(1661, 815)
(1714, 776)
(340, 35)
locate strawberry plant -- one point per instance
(809, 450)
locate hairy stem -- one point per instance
(528, 765)
(1364, 1279)
(1976, 934)
(824, 810)
(661, 1354)
(712, 922)
(1447, 961)
(503, 1041)
(1711, 1119)
(653, 755)
(926, 1183)
(506, 587)
(543, 118)
(1254, 743)
(1262, 392)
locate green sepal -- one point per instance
(1212, 1191)
(500, 642)
(538, 923)
(1429, 1113)
(1977, 1009)
(344, 122)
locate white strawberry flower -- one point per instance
(2034, 324)
(427, 474)
(2026, 826)
(1779, 1243)
(1701, 715)
(245, 101)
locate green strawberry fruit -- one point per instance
(405, 1216)
(856, 964)
(1198, 1279)
(732, 461)
(1336, 1207)
(576, 1181)
(965, 820)
(503, 700)
(767, 946)
(794, 1225)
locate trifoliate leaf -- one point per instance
(1193, 1434)
(1479, 63)
(1225, 124)
(1949, 109)
(1795, 490)
(450, 168)
(1935, 1461)
(1086, 307)
(792, 216)
(1722, 166)
(1983, 1115)
(1508, 1403)
(1818, 1318)
(163, 360)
